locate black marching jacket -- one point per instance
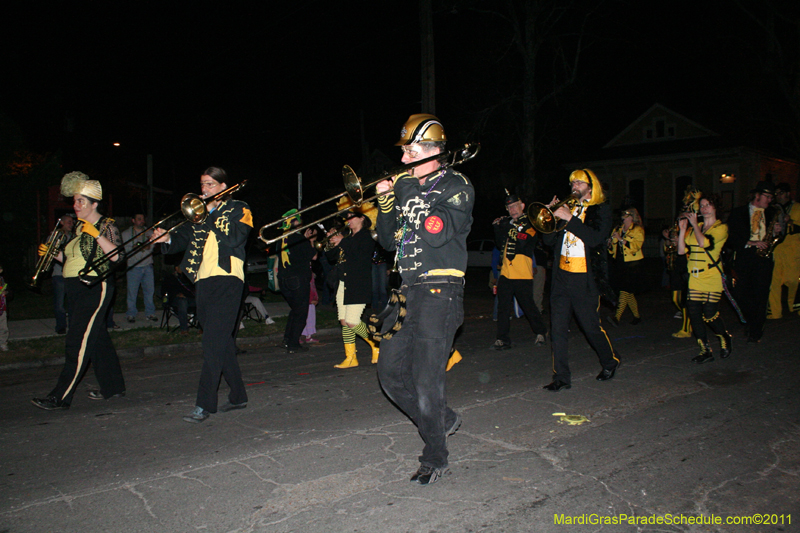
(353, 258)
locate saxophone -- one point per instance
(772, 238)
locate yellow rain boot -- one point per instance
(455, 357)
(375, 350)
(350, 357)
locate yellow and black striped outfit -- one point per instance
(705, 283)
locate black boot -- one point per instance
(725, 345)
(706, 356)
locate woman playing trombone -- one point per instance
(87, 337)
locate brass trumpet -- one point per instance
(55, 242)
(355, 189)
(323, 245)
(194, 208)
(542, 218)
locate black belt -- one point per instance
(428, 279)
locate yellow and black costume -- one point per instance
(214, 261)
(579, 278)
(516, 240)
(626, 251)
(705, 288)
(87, 338)
(787, 260)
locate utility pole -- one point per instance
(428, 70)
(149, 189)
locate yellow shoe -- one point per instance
(375, 350)
(682, 334)
(455, 357)
(350, 357)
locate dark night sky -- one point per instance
(269, 89)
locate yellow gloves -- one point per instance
(89, 228)
(43, 249)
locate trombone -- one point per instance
(542, 218)
(55, 242)
(193, 207)
(354, 189)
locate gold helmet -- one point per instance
(421, 128)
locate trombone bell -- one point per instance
(352, 184)
(194, 208)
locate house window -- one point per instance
(659, 129)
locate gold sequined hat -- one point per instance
(79, 183)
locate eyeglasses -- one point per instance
(411, 153)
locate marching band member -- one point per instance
(214, 261)
(87, 337)
(747, 226)
(579, 270)
(293, 272)
(787, 254)
(516, 239)
(353, 258)
(426, 220)
(625, 247)
(702, 245)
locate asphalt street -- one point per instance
(322, 450)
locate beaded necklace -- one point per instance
(405, 234)
(570, 239)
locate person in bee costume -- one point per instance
(214, 262)
(702, 244)
(425, 220)
(353, 258)
(625, 247)
(516, 239)
(787, 254)
(580, 277)
(87, 337)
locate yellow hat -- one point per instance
(368, 209)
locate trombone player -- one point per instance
(214, 262)
(425, 216)
(579, 276)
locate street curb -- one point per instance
(166, 349)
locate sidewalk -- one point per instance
(46, 327)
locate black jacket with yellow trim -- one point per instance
(230, 223)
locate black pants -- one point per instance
(522, 290)
(296, 291)
(570, 293)
(412, 364)
(218, 301)
(88, 340)
(753, 278)
(705, 312)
